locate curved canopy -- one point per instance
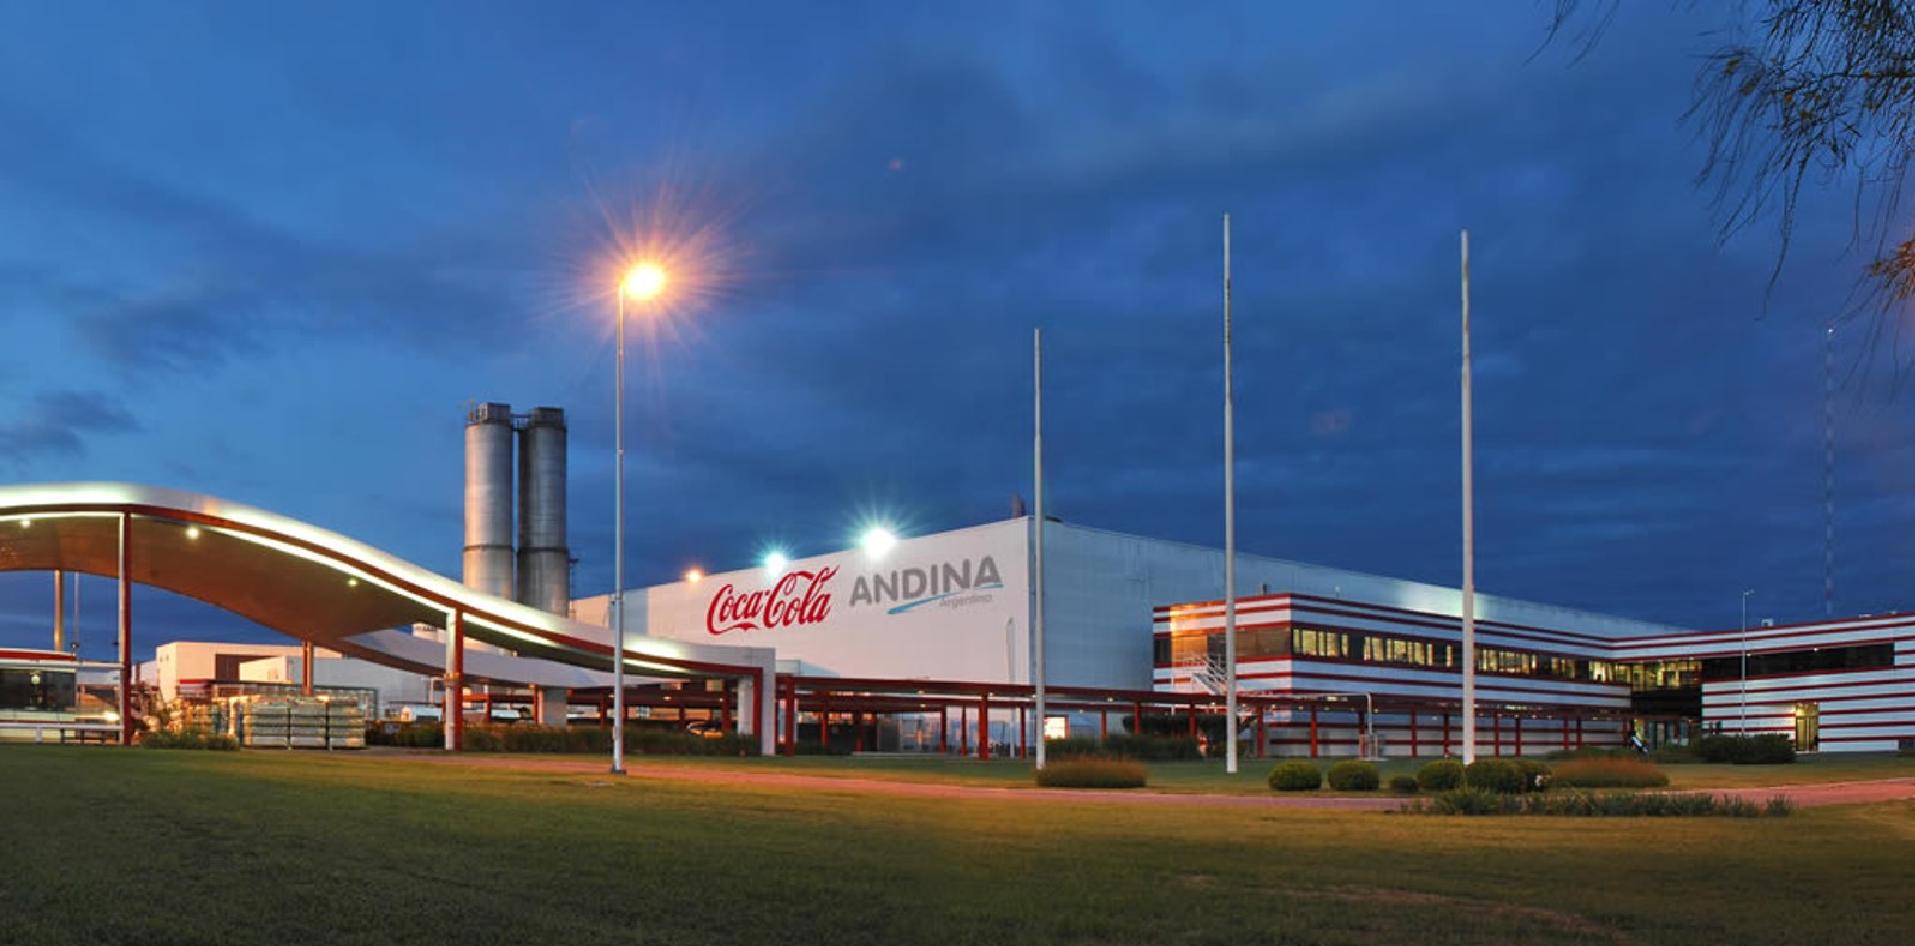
(318, 585)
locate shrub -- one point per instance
(1582, 804)
(1467, 801)
(1153, 748)
(1765, 749)
(1779, 806)
(189, 740)
(482, 739)
(1295, 777)
(1440, 776)
(1353, 776)
(1076, 747)
(1093, 773)
(1609, 773)
(1496, 775)
(1535, 774)
(1403, 784)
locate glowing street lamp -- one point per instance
(877, 540)
(776, 562)
(694, 575)
(644, 282)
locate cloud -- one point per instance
(58, 423)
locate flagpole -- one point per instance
(1229, 527)
(1469, 539)
(1037, 532)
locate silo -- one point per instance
(544, 570)
(488, 499)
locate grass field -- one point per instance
(1210, 777)
(149, 847)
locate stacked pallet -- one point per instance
(345, 726)
(264, 723)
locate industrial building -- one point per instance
(1330, 661)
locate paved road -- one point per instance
(1806, 796)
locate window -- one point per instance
(1860, 657)
(31, 688)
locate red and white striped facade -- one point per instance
(1859, 709)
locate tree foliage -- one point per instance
(1804, 94)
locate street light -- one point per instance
(642, 283)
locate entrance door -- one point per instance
(1808, 726)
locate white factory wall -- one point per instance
(1101, 589)
(197, 660)
(395, 687)
(949, 606)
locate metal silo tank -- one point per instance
(544, 569)
(488, 499)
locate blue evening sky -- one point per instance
(271, 251)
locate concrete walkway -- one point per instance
(1806, 796)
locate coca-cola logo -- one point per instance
(796, 598)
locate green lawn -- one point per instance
(1210, 777)
(155, 847)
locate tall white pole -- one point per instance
(1229, 527)
(618, 555)
(1469, 540)
(1037, 531)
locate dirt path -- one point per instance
(1806, 796)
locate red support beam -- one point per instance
(1263, 735)
(1519, 735)
(1412, 733)
(1564, 723)
(964, 730)
(824, 725)
(944, 729)
(1496, 731)
(1137, 719)
(126, 629)
(1193, 720)
(791, 718)
(724, 707)
(984, 726)
(857, 732)
(1023, 746)
(1579, 732)
(1313, 731)
(305, 668)
(1103, 725)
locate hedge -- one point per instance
(1440, 776)
(1295, 777)
(1609, 773)
(524, 737)
(1093, 773)
(188, 740)
(1574, 803)
(1403, 784)
(1353, 776)
(1765, 749)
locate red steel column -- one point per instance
(1412, 732)
(1579, 732)
(791, 719)
(1023, 746)
(1103, 725)
(1137, 719)
(1263, 732)
(1564, 723)
(824, 723)
(944, 729)
(857, 732)
(984, 727)
(964, 730)
(1313, 730)
(305, 668)
(1193, 720)
(1496, 728)
(455, 684)
(126, 629)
